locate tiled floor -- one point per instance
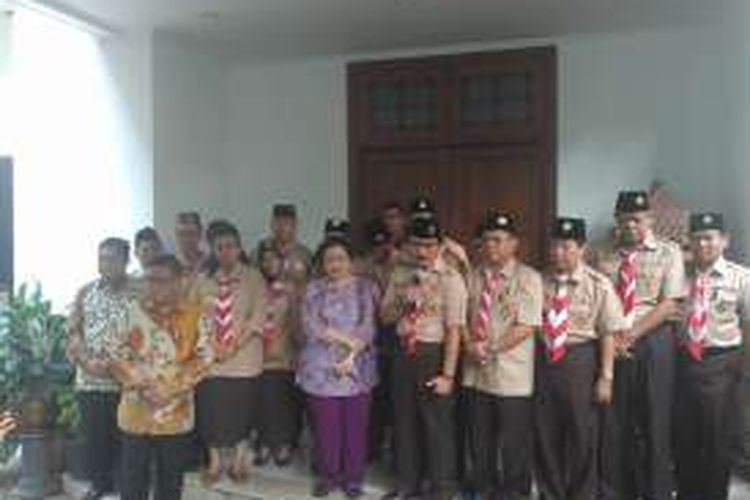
(291, 484)
(288, 484)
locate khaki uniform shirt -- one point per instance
(296, 264)
(441, 292)
(379, 272)
(517, 302)
(281, 308)
(660, 268)
(728, 303)
(595, 309)
(247, 361)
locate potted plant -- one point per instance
(35, 381)
(67, 423)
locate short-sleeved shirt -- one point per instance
(595, 309)
(377, 271)
(296, 261)
(441, 291)
(281, 306)
(728, 302)
(100, 311)
(454, 254)
(248, 291)
(518, 302)
(660, 272)
(176, 352)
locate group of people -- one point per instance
(613, 373)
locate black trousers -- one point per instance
(502, 423)
(138, 454)
(706, 423)
(636, 445)
(102, 437)
(424, 424)
(280, 409)
(566, 424)
(381, 418)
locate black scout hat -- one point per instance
(422, 207)
(425, 229)
(629, 202)
(498, 221)
(706, 221)
(337, 228)
(568, 228)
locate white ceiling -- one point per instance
(274, 28)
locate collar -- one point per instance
(573, 278)
(649, 244)
(718, 268)
(439, 266)
(236, 273)
(507, 270)
(103, 285)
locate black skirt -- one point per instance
(227, 410)
(280, 409)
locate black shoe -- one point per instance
(283, 457)
(320, 490)
(353, 492)
(262, 457)
(96, 494)
(398, 495)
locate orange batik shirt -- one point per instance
(172, 353)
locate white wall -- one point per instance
(81, 142)
(188, 123)
(286, 140)
(633, 107)
(129, 69)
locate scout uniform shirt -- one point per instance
(728, 296)
(378, 271)
(296, 261)
(660, 272)
(173, 351)
(595, 309)
(247, 295)
(279, 333)
(439, 293)
(454, 254)
(518, 300)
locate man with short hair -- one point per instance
(94, 329)
(649, 277)
(165, 351)
(716, 325)
(395, 223)
(505, 308)
(296, 257)
(451, 251)
(426, 299)
(189, 235)
(146, 244)
(575, 366)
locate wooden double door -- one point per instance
(474, 132)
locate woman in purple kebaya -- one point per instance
(337, 368)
